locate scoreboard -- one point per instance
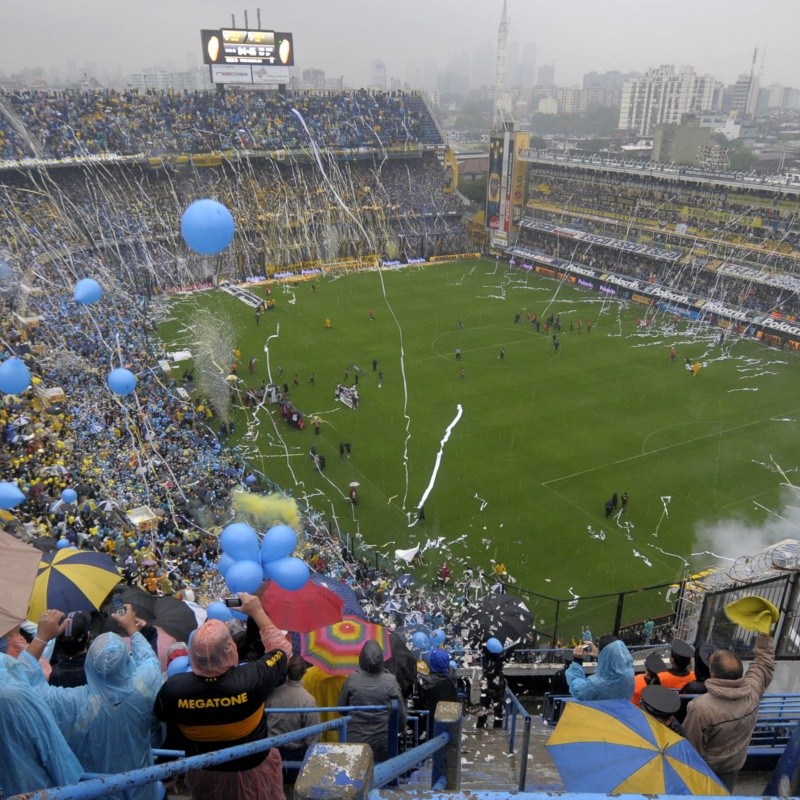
(236, 46)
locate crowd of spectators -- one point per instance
(754, 218)
(713, 211)
(286, 214)
(157, 451)
(75, 123)
(691, 278)
(739, 254)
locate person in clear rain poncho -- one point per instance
(109, 723)
(613, 679)
(33, 752)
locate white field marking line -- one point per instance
(657, 450)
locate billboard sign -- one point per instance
(262, 74)
(224, 74)
(494, 183)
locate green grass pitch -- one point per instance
(544, 437)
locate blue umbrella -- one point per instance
(405, 581)
(351, 608)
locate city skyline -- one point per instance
(344, 37)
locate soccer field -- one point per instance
(538, 440)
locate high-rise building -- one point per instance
(482, 64)
(527, 65)
(663, 95)
(572, 100)
(741, 96)
(196, 80)
(453, 86)
(546, 77)
(379, 79)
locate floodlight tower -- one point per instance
(502, 109)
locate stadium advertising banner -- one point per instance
(229, 46)
(222, 74)
(493, 185)
(262, 74)
(505, 186)
(519, 175)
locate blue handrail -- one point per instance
(517, 708)
(388, 771)
(108, 784)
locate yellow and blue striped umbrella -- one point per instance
(612, 746)
(72, 580)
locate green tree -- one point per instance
(474, 191)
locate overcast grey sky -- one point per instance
(342, 37)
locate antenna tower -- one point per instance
(502, 110)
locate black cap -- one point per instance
(704, 652)
(605, 640)
(681, 648)
(76, 627)
(660, 701)
(655, 664)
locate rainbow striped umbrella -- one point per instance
(72, 580)
(335, 648)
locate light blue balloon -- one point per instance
(494, 646)
(421, 641)
(240, 615)
(69, 495)
(10, 495)
(218, 610)
(245, 576)
(453, 664)
(289, 573)
(207, 226)
(224, 564)
(240, 542)
(437, 638)
(121, 381)
(87, 291)
(61, 544)
(178, 666)
(279, 542)
(15, 377)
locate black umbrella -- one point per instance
(44, 543)
(402, 665)
(173, 616)
(502, 616)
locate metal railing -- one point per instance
(123, 782)
(100, 785)
(513, 705)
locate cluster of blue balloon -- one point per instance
(246, 562)
(207, 227)
(425, 642)
(15, 377)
